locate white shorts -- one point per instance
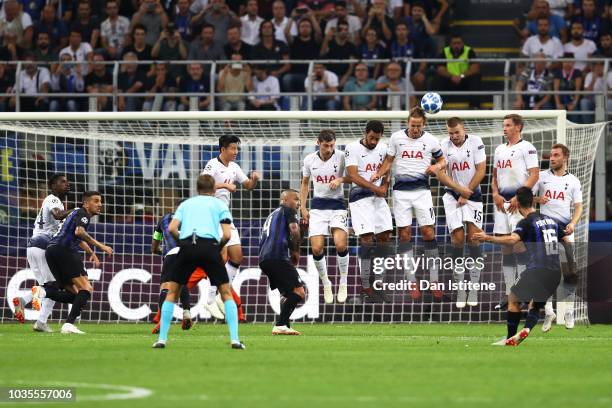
(234, 237)
(38, 264)
(371, 215)
(419, 202)
(457, 215)
(505, 223)
(323, 221)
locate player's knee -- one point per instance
(236, 257)
(225, 291)
(300, 292)
(428, 233)
(405, 234)
(384, 236)
(317, 251)
(367, 239)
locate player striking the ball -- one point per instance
(327, 213)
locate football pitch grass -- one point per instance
(360, 365)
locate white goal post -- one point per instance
(144, 162)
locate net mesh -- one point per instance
(144, 167)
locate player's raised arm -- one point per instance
(445, 179)
(511, 239)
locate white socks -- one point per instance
(321, 266)
(46, 309)
(343, 264)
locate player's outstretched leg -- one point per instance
(288, 305)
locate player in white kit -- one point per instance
(515, 165)
(466, 162)
(327, 215)
(411, 150)
(557, 191)
(45, 226)
(370, 213)
(227, 174)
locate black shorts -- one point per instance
(537, 284)
(282, 275)
(65, 264)
(206, 254)
(167, 267)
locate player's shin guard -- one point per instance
(365, 265)
(509, 270)
(232, 270)
(185, 298)
(475, 253)
(456, 254)
(514, 318)
(533, 315)
(79, 303)
(321, 265)
(166, 318)
(45, 310)
(231, 317)
(405, 248)
(432, 255)
(54, 293)
(288, 306)
(343, 263)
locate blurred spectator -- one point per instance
(130, 81)
(323, 81)
(195, 82)
(543, 42)
(569, 79)
(235, 78)
(372, 49)
(66, 78)
(531, 83)
(271, 49)
(594, 25)
(336, 45)
(32, 7)
(43, 51)
(378, 20)
(266, 90)
(170, 47)
(10, 50)
(100, 81)
(235, 44)
(595, 82)
(151, 15)
(50, 24)
(78, 50)
(88, 26)
(581, 48)
(393, 81)
(250, 23)
(354, 22)
(460, 75)
(217, 14)
(280, 21)
(360, 83)
(32, 80)
(160, 82)
(556, 24)
(7, 79)
(140, 47)
(113, 30)
(403, 47)
(18, 22)
(304, 46)
(605, 45)
(198, 5)
(182, 19)
(557, 7)
(204, 48)
(421, 30)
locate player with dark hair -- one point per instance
(196, 224)
(65, 262)
(327, 213)
(541, 234)
(165, 245)
(227, 173)
(280, 235)
(45, 226)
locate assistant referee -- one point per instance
(195, 225)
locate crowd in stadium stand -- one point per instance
(99, 31)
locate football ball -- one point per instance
(431, 102)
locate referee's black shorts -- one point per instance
(168, 266)
(206, 254)
(282, 275)
(537, 284)
(65, 264)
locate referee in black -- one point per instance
(541, 235)
(195, 224)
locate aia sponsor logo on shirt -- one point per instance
(462, 166)
(504, 164)
(555, 195)
(325, 179)
(411, 154)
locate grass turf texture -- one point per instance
(436, 365)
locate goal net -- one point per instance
(144, 163)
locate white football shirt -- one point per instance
(412, 158)
(368, 162)
(461, 161)
(562, 192)
(230, 174)
(324, 172)
(512, 164)
(45, 223)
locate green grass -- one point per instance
(328, 366)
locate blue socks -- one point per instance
(231, 317)
(166, 318)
